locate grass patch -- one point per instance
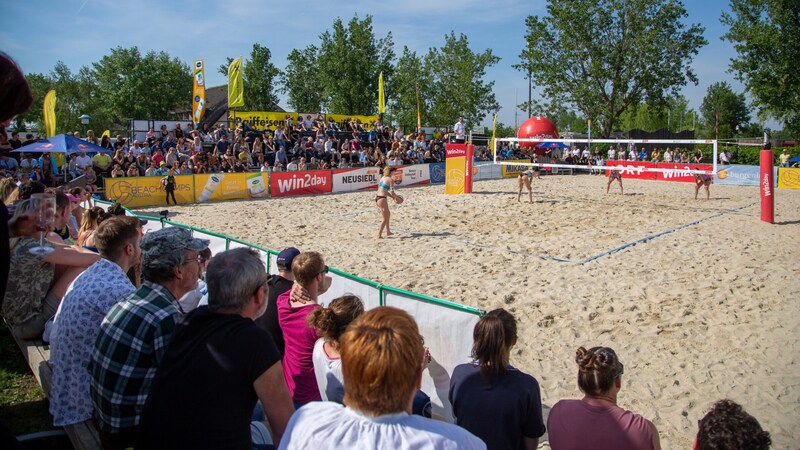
(23, 406)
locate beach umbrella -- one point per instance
(795, 159)
(552, 145)
(62, 143)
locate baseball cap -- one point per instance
(286, 256)
(163, 163)
(169, 240)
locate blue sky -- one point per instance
(80, 32)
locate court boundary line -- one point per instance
(564, 260)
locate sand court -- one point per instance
(702, 307)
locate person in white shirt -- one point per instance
(460, 130)
(612, 153)
(667, 156)
(292, 166)
(83, 161)
(382, 357)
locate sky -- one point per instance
(79, 32)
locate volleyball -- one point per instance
(399, 199)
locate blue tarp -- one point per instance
(62, 143)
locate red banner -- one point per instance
(455, 150)
(282, 184)
(680, 172)
(633, 169)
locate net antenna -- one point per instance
(619, 143)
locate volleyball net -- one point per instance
(622, 148)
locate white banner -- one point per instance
(412, 175)
(448, 335)
(347, 180)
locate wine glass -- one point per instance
(43, 209)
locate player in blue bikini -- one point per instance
(385, 190)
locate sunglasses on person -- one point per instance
(325, 270)
(620, 371)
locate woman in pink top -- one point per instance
(294, 307)
(595, 421)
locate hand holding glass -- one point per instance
(43, 209)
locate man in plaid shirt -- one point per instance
(134, 334)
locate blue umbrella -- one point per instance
(62, 143)
(552, 145)
(795, 159)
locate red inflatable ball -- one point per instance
(536, 127)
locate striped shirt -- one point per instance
(132, 340)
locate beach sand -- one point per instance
(705, 312)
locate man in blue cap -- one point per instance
(278, 284)
(136, 331)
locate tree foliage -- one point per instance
(457, 81)
(766, 35)
(674, 116)
(731, 107)
(350, 59)
(301, 82)
(260, 77)
(341, 75)
(122, 85)
(132, 86)
(409, 74)
(603, 56)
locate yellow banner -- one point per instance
(235, 84)
(788, 178)
(230, 186)
(368, 122)
(513, 171)
(198, 91)
(381, 95)
(260, 119)
(134, 192)
(49, 114)
(455, 168)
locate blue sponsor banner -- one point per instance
(437, 173)
(740, 175)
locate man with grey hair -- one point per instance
(217, 365)
(134, 334)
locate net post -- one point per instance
(766, 185)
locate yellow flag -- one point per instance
(381, 95)
(494, 132)
(198, 91)
(235, 84)
(419, 116)
(49, 114)
(106, 133)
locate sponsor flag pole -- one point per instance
(235, 84)
(381, 97)
(419, 116)
(494, 132)
(49, 114)
(198, 92)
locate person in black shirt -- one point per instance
(278, 284)
(217, 365)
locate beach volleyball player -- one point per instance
(386, 190)
(615, 175)
(702, 179)
(525, 179)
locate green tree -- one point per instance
(457, 81)
(675, 116)
(731, 107)
(74, 97)
(503, 131)
(301, 80)
(129, 86)
(603, 56)
(766, 35)
(259, 75)
(409, 74)
(348, 63)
